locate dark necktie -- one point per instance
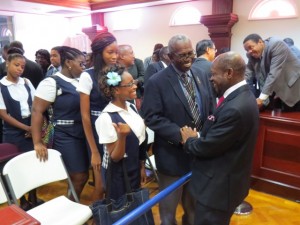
(191, 98)
(220, 101)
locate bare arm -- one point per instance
(39, 106)
(13, 122)
(117, 149)
(87, 126)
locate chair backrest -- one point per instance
(3, 193)
(26, 172)
(8, 151)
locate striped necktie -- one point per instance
(191, 98)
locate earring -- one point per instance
(70, 68)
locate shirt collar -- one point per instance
(6, 82)
(233, 88)
(110, 108)
(59, 74)
(179, 73)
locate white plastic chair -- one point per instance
(3, 193)
(25, 172)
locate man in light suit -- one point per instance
(223, 154)
(166, 109)
(275, 70)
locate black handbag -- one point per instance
(108, 211)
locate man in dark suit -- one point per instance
(3, 71)
(157, 66)
(32, 70)
(166, 109)
(223, 154)
(134, 66)
(274, 70)
(206, 52)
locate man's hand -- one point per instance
(187, 132)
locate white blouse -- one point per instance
(46, 89)
(19, 93)
(106, 131)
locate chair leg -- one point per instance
(151, 167)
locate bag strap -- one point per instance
(109, 178)
(109, 174)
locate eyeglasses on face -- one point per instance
(216, 50)
(185, 55)
(129, 84)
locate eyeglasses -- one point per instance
(129, 84)
(185, 55)
(216, 50)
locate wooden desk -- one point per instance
(15, 215)
(276, 165)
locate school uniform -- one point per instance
(107, 134)
(16, 99)
(88, 84)
(69, 138)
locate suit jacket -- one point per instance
(203, 64)
(281, 70)
(3, 71)
(152, 69)
(137, 71)
(223, 155)
(33, 72)
(165, 110)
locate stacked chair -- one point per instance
(25, 172)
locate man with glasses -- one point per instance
(206, 52)
(175, 97)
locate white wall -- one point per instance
(41, 31)
(37, 31)
(155, 28)
(265, 28)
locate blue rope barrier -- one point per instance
(151, 202)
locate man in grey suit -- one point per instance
(274, 70)
(223, 154)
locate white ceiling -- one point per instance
(9, 7)
(14, 6)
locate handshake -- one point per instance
(187, 132)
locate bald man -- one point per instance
(223, 154)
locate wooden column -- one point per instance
(219, 24)
(97, 27)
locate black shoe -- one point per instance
(25, 205)
(37, 202)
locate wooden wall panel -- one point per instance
(276, 166)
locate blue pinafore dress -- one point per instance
(97, 104)
(132, 163)
(13, 134)
(69, 138)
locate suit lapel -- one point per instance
(173, 79)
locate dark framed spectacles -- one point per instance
(129, 84)
(185, 55)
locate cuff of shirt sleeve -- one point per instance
(263, 96)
